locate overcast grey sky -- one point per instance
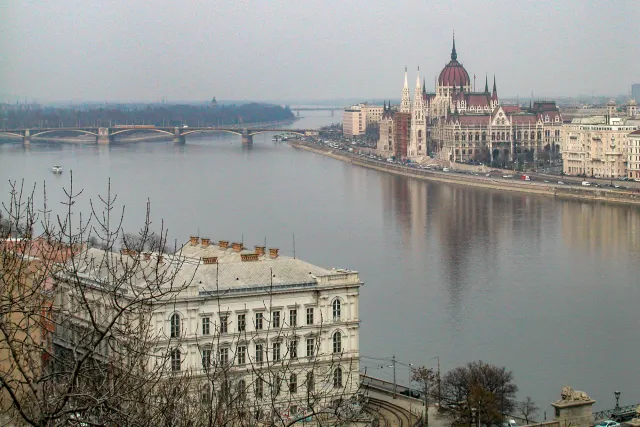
(308, 49)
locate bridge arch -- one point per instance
(238, 132)
(18, 135)
(277, 131)
(44, 132)
(140, 129)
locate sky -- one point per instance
(123, 50)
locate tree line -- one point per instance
(156, 115)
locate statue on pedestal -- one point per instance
(569, 394)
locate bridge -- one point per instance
(106, 135)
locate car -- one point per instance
(561, 182)
(608, 423)
(507, 176)
(445, 169)
(487, 174)
(525, 178)
(636, 179)
(586, 183)
(510, 423)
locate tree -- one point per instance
(428, 380)
(528, 409)
(478, 393)
(78, 345)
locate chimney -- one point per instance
(124, 251)
(194, 240)
(260, 250)
(210, 260)
(249, 257)
(224, 244)
(205, 242)
(273, 252)
(160, 258)
(237, 247)
(147, 256)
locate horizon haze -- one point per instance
(257, 51)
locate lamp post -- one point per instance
(613, 146)
(617, 410)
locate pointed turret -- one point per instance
(424, 86)
(405, 104)
(418, 85)
(486, 84)
(494, 94)
(454, 55)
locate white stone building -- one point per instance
(260, 317)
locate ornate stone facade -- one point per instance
(460, 124)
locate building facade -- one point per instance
(597, 148)
(458, 123)
(274, 329)
(356, 118)
(633, 153)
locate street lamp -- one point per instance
(617, 410)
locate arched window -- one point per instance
(337, 377)
(206, 394)
(420, 133)
(175, 325)
(175, 360)
(337, 342)
(336, 309)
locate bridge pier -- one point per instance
(26, 139)
(103, 136)
(179, 139)
(247, 139)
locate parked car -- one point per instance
(608, 423)
(510, 423)
(586, 183)
(445, 169)
(561, 182)
(525, 178)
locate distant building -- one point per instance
(356, 118)
(598, 147)
(633, 166)
(460, 123)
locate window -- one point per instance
(336, 309)
(223, 324)
(175, 360)
(310, 382)
(293, 349)
(309, 315)
(175, 325)
(206, 326)
(276, 351)
(242, 355)
(293, 318)
(206, 358)
(293, 383)
(337, 342)
(242, 322)
(206, 394)
(337, 377)
(311, 346)
(242, 390)
(258, 321)
(277, 383)
(259, 354)
(259, 388)
(275, 319)
(223, 356)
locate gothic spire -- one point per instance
(486, 84)
(454, 55)
(406, 83)
(494, 95)
(424, 86)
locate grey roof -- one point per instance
(186, 266)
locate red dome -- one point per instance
(454, 74)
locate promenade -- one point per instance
(628, 197)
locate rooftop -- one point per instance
(212, 268)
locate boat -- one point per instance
(277, 138)
(57, 169)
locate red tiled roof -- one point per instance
(471, 119)
(523, 119)
(510, 109)
(478, 100)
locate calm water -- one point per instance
(549, 289)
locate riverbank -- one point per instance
(543, 189)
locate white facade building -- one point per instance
(260, 317)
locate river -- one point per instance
(548, 288)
